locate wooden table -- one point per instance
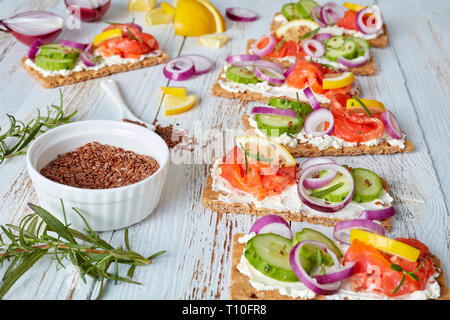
(413, 81)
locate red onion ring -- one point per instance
(356, 62)
(391, 124)
(341, 231)
(270, 75)
(317, 45)
(268, 64)
(275, 111)
(311, 98)
(338, 275)
(316, 160)
(317, 117)
(272, 224)
(304, 277)
(34, 49)
(315, 13)
(330, 13)
(324, 207)
(314, 183)
(369, 29)
(268, 48)
(179, 69)
(242, 58)
(202, 64)
(88, 59)
(73, 44)
(378, 214)
(322, 37)
(289, 70)
(241, 14)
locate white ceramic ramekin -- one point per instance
(104, 209)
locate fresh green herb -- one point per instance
(246, 153)
(320, 194)
(40, 234)
(309, 34)
(132, 36)
(411, 274)
(258, 157)
(320, 261)
(279, 45)
(25, 133)
(363, 105)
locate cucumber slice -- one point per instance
(281, 103)
(275, 126)
(336, 195)
(58, 51)
(241, 75)
(368, 185)
(304, 7)
(310, 234)
(290, 12)
(361, 46)
(51, 64)
(269, 254)
(335, 42)
(348, 51)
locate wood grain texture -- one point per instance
(412, 79)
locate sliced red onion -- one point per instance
(314, 183)
(241, 14)
(322, 37)
(319, 48)
(268, 64)
(312, 202)
(330, 13)
(275, 112)
(73, 44)
(179, 69)
(272, 224)
(89, 48)
(374, 27)
(317, 118)
(304, 277)
(338, 275)
(391, 124)
(268, 48)
(311, 98)
(378, 214)
(316, 160)
(88, 10)
(202, 64)
(289, 70)
(356, 62)
(315, 13)
(242, 58)
(34, 49)
(270, 75)
(31, 25)
(88, 59)
(342, 229)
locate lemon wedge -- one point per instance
(214, 40)
(385, 244)
(353, 6)
(169, 9)
(294, 29)
(374, 106)
(197, 18)
(141, 5)
(332, 81)
(175, 105)
(110, 34)
(158, 16)
(174, 91)
(265, 150)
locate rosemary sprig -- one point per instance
(411, 274)
(40, 234)
(23, 133)
(308, 34)
(279, 45)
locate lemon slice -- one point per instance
(265, 150)
(196, 18)
(214, 40)
(174, 91)
(110, 34)
(220, 21)
(294, 29)
(141, 5)
(353, 6)
(339, 81)
(374, 106)
(158, 16)
(175, 105)
(167, 8)
(385, 244)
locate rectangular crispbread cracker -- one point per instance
(80, 76)
(308, 150)
(379, 42)
(368, 69)
(241, 289)
(210, 200)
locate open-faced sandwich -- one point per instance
(119, 48)
(271, 262)
(365, 22)
(247, 77)
(260, 177)
(348, 126)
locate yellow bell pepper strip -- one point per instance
(334, 82)
(110, 34)
(373, 106)
(385, 244)
(353, 6)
